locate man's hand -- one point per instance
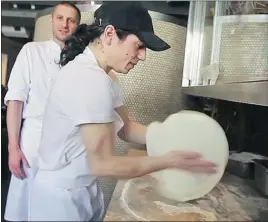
(16, 160)
(191, 161)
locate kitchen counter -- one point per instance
(233, 199)
(247, 92)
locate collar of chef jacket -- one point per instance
(53, 50)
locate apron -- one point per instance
(26, 197)
(55, 201)
(17, 204)
(57, 204)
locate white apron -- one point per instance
(18, 197)
(50, 199)
(18, 192)
(26, 197)
(51, 203)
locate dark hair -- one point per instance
(84, 34)
(72, 6)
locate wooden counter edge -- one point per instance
(136, 152)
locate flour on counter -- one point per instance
(170, 209)
(124, 203)
(230, 200)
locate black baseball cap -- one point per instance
(133, 17)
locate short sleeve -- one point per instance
(19, 80)
(91, 100)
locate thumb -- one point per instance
(24, 160)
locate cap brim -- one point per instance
(153, 42)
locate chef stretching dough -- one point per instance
(191, 131)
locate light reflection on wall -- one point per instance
(4, 58)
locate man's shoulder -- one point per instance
(87, 76)
(37, 45)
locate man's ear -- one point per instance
(109, 34)
(50, 19)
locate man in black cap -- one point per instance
(131, 16)
(85, 112)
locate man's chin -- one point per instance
(125, 72)
(62, 38)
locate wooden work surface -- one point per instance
(231, 200)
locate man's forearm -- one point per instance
(14, 116)
(128, 167)
(134, 133)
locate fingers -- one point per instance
(191, 161)
(17, 171)
(21, 172)
(202, 169)
(190, 155)
(196, 162)
(198, 165)
(16, 162)
(24, 160)
(204, 163)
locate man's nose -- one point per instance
(142, 54)
(64, 23)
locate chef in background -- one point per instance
(30, 80)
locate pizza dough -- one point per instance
(188, 131)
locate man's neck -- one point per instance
(97, 52)
(58, 42)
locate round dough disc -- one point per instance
(188, 131)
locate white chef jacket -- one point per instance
(30, 81)
(82, 93)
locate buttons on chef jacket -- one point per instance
(49, 79)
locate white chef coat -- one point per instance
(82, 93)
(30, 81)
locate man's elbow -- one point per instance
(124, 133)
(120, 134)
